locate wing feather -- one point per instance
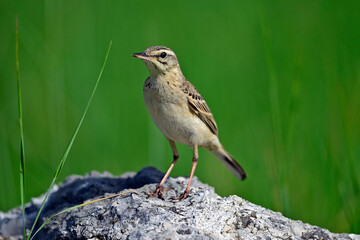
(198, 106)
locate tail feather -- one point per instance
(230, 163)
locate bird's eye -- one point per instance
(163, 54)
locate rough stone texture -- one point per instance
(204, 215)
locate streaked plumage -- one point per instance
(180, 112)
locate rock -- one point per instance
(203, 215)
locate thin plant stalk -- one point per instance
(66, 153)
(22, 148)
(77, 206)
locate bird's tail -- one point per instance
(229, 162)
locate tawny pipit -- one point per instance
(180, 112)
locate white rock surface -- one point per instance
(204, 215)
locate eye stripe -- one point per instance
(158, 55)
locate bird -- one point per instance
(180, 113)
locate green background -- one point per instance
(282, 79)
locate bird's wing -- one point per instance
(198, 106)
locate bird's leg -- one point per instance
(195, 161)
(160, 188)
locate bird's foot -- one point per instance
(158, 192)
(183, 196)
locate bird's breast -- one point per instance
(168, 107)
(165, 105)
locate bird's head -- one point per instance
(159, 60)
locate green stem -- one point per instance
(66, 153)
(22, 148)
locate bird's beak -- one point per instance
(143, 56)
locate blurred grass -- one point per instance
(282, 79)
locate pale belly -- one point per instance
(177, 123)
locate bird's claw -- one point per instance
(183, 196)
(158, 192)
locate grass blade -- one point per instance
(22, 148)
(66, 153)
(77, 206)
